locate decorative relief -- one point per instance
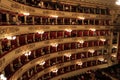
(74, 39)
(74, 27)
(46, 27)
(21, 7)
(18, 51)
(8, 30)
(13, 29)
(3, 30)
(60, 65)
(47, 42)
(75, 15)
(60, 13)
(30, 46)
(60, 53)
(60, 40)
(73, 61)
(38, 28)
(2, 61)
(46, 56)
(47, 70)
(47, 12)
(32, 28)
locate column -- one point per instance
(19, 60)
(82, 22)
(48, 35)
(94, 21)
(26, 39)
(68, 68)
(25, 19)
(17, 20)
(35, 69)
(28, 73)
(63, 33)
(20, 78)
(27, 59)
(70, 21)
(86, 54)
(63, 7)
(17, 38)
(48, 19)
(9, 44)
(75, 66)
(88, 21)
(34, 54)
(33, 20)
(11, 67)
(76, 21)
(7, 18)
(62, 58)
(63, 21)
(56, 21)
(62, 71)
(41, 22)
(70, 8)
(49, 49)
(33, 37)
(1, 48)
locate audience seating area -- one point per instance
(48, 4)
(89, 75)
(12, 18)
(113, 71)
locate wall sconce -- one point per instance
(11, 37)
(91, 50)
(40, 32)
(101, 59)
(67, 55)
(55, 70)
(54, 16)
(103, 40)
(26, 13)
(2, 77)
(54, 44)
(79, 63)
(114, 55)
(27, 53)
(81, 41)
(117, 2)
(42, 63)
(82, 18)
(92, 29)
(68, 30)
(41, 4)
(115, 46)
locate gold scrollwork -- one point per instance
(31, 46)
(22, 7)
(13, 29)
(2, 61)
(3, 30)
(18, 51)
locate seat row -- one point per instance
(64, 7)
(17, 63)
(71, 68)
(12, 18)
(89, 75)
(20, 40)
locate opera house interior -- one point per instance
(59, 39)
